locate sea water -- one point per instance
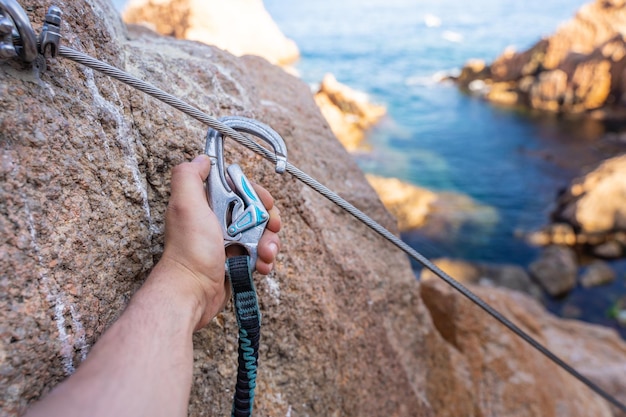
(511, 162)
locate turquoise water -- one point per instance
(436, 137)
(510, 161)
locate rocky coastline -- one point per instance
(587, 221)
(580, 70)
(82, 225)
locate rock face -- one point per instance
(84, 177)
(242, 27)
(348, 112)
(463, 326)
(581, 68)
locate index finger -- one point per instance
(264, 195)
(268, 201)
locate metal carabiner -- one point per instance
(17, 37)
(14, 21)
(232, 198)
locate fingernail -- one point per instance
(274, 249)
(200, 158)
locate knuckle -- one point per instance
(177, 209)
(182, 169)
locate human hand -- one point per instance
(194, 251)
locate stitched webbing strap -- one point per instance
(249, 321)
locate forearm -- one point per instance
(141, 365)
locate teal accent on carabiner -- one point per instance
(245, 221)
(261, 216)
(247, 190)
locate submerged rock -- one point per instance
(452, 215)
(348, 112)
(512, 277)
(597, 273)
(242, 27)
(409, 204)
(555, 270)
(444, 213)
(581, 68)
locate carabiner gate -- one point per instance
(232, 198)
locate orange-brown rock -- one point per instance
(596, 201)
(549, 91)
(594, 25)
(85, 165)
(416, 207)
(591, 212)
(556, 233)
(594, 204)
(348, 112)
(502, 93)
(242, 27)
(512, 66)
(472, 335)
(581, 68)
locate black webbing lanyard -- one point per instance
(249, 320)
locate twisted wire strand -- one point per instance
(212, 122)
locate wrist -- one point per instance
(201, 297)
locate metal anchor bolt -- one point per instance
(51, 33)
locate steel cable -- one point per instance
(186, 108)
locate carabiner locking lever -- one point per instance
(237, 206)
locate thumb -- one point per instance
(188, 180)
(203, 163)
